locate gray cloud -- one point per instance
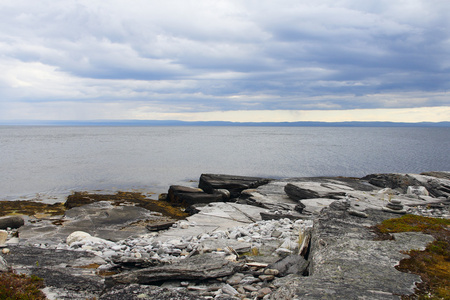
(226, 55)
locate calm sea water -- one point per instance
(51, 162)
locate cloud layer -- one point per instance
(135, 59)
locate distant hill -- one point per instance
(218, 123)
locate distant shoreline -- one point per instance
(215, 123)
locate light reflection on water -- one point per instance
(54, 161)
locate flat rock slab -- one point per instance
(100, 219)
(197, 267)
(214, 217)
(67, 274)
(347, 263)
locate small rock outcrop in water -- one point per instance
(296, 238)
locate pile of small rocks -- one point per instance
(438, 210)
(253, 281)
(282, 234)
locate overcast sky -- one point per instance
(284, 60)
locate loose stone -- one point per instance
(250, 288)
(271, 272)
(228, 289)
(394, 206)
(249, 280)
(3, 236)
(235, 279)
(266, 277)
(264, 291)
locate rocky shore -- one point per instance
(233, 237)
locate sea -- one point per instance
(47, 163)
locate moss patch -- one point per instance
(126, 198)
(413, 223)
(432, 264)
(30, 208)
(21, 287)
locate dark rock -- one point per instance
(296, 193)
(194, 209)
(393, 181)
(299, 207)
(11, 222)
(160, 225)
(198, 267)
(127, 262)
(137, 292)
(291, 264)
(186, 196)
(275, 216)
(234, 184)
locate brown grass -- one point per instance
(20, 287)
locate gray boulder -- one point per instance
(11, 222)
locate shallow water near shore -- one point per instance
(49, 163)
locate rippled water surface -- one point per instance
(51, 162)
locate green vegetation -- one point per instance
(432, 264)
(126, 198)
(20, 287)
(29, 208)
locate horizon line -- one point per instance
(142, 122)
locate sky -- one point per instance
(246, 60)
